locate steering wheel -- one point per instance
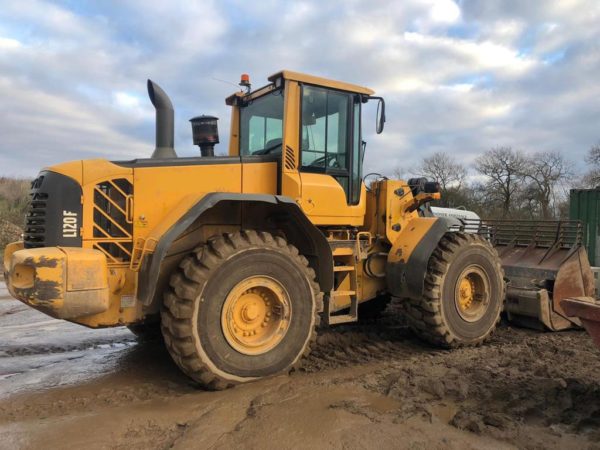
(266, 151)
(329, 160)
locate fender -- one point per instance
(410, 253)
(289, 217)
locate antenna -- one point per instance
(224, 81)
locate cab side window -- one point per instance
(330, 137)
(261, 125)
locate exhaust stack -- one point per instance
(165, 134)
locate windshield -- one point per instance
(261, 125)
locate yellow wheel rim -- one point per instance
(472, 293)
(256, 315)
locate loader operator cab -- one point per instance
(329, 139)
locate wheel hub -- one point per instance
(467, 293)
(256, 315)
(472, 293)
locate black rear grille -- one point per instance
(35, 221)
(53, 197)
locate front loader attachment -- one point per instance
(544, 262)
(588, 311)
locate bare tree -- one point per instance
(592, 178)
(504, 170)
(547, 172)
(444, 169)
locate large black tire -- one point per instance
(198, 341)
(438, 316)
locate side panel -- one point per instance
(324, 201)
(158, 189)
(259, 178)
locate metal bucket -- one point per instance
(544, 262)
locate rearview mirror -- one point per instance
(380, 118)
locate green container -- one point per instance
(584, 205)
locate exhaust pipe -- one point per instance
(165, 134)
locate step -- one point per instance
(343, 268)
(342, 318)
(342, 293)
(343, 251)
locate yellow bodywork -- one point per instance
(65, 283)
(92, 286)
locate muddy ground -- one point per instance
(364, 386)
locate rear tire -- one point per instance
(241, 307)
(463, 295)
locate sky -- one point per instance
(458, 76)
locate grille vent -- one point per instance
(289, 160)
(35, 221)
(113, 227)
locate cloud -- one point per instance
(7, 44)
(459, 76)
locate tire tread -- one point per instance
(424, 315)
(192, 274)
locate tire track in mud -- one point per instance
(520, 380)
(41, 349)
(384, 339)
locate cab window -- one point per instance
(261, 125)
(330, 137)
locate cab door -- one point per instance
(330, 154)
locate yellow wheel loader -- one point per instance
(240, 258)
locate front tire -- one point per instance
(464, 293)
(241, 307)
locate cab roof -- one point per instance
(311, 79)
(301, 78)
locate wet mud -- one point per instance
(370, 385)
